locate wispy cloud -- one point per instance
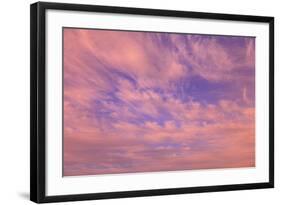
(140, 102)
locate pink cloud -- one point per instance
(122, 114)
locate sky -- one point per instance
(147, 101)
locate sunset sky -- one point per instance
(143, 102)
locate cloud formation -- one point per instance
(142, 102)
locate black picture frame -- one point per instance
(38, 101)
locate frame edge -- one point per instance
(33, 104)
(271, 102)
(37, 102)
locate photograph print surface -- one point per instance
(138, 101)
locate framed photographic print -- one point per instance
(129, 102)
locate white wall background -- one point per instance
(14, 101)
